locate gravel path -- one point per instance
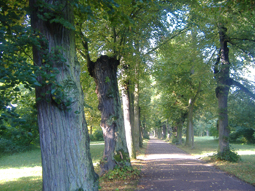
(166, 167)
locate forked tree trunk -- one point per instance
(64, 139)
(104, 73)
(127, 121)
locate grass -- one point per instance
(244, 169)
(23, 171)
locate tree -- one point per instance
(64, 139)
(214, 20)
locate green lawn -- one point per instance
(23, 171)
(245, 169)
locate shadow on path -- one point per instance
(168, 168)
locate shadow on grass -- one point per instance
(31, 183)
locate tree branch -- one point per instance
(244, 89)
(178, 33)
(198, 90)
(243, 39)
(85, 46)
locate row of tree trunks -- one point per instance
(64, 139)
(104, 72)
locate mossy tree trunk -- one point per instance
(64, 139)
(104, 72)
(222, 90)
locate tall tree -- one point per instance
(233, 50)
(64, 139)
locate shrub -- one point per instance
(97, 136)
(174, 140)
(227, 155)
(122, 173)
(242, 135)
(241, 139)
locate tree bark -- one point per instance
(180, 123)
(104, 73)
(127, 121)
(190, 129)
(164, 130)
(222, 90)
(136, 116)
(64, 138)
(140, 130)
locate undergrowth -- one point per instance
(122, 173)
(227, 155)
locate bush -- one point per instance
(242, 135)
(214, 132)
(227, 155)
(174, 140)
(122, 173)
(241, 139)
(97, 136)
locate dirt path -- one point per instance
(166, 167)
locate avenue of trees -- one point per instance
(126, 68)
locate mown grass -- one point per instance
(23, 171)
(244, 169)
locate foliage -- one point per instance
(122, 173)
(242, 135)
(97, 136)
(174, 140)
(227, 155)
(19, 133)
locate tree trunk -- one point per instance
(104, 73)
(91, 130)
(164, 130)
(190, 130)
(179, 133)
(136, 116)
(180, 123)
(64, 138)
(222, 90)
(127, 121)
(140, 130)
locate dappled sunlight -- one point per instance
(246, 152)
(168, 156)
(14, 173)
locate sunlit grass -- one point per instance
(23, 171)
(245, 169)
